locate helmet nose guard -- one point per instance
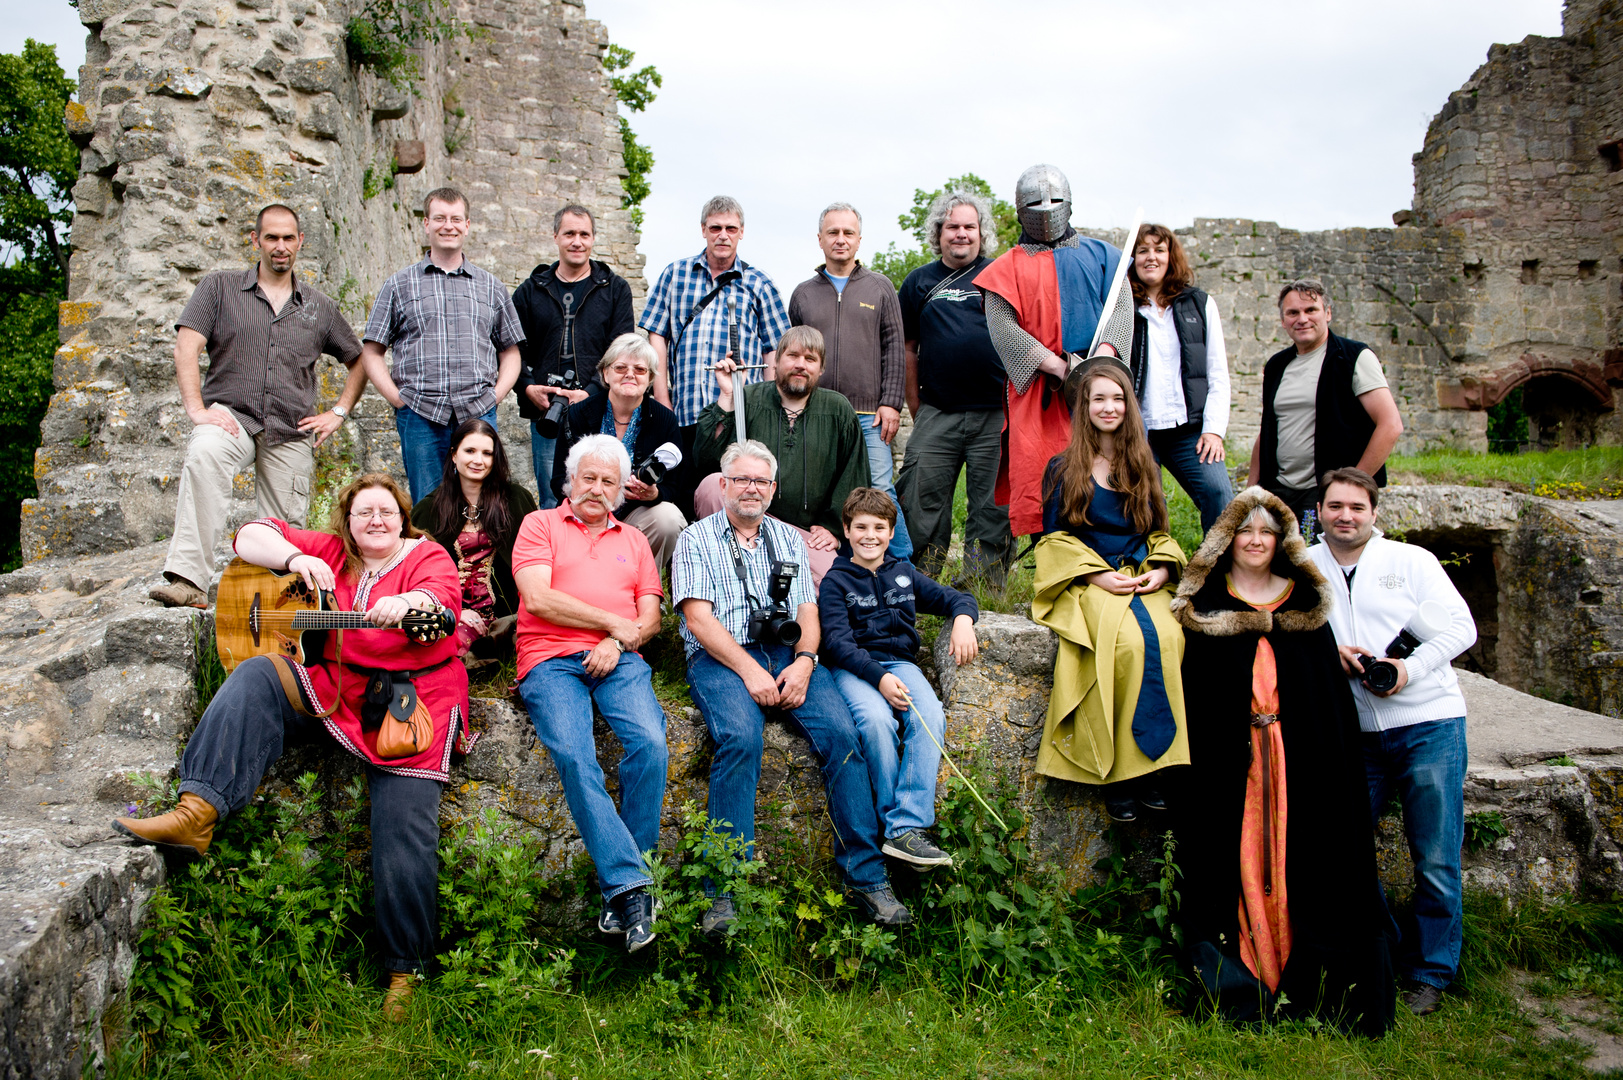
(1042, 198)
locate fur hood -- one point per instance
(1291, 561)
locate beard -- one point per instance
(750, 510)
(796, 386)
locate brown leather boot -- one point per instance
(396, 998)
(187, 830)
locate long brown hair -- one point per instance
(447, 503)
(1133, 472)
(1179, 276)
(340, 516)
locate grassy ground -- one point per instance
(797, 1026)
(1558, 474)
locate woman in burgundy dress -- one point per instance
(475, 514)
(372, 561)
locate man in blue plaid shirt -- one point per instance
(688, 344)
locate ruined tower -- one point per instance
(192, 116)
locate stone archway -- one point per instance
(1565, 399)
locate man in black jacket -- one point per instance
(570, 312)
(1325, 405)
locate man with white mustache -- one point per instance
(591, 593)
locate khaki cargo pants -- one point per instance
(213, 460)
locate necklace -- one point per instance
(470, 512)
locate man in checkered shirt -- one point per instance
(689, 345)
(455, 337)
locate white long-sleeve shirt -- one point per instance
(1164, 406)
(1388, 584)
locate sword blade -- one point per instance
(1118, 282)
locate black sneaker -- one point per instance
(720, 919)
(883, 907)
(637, 911)
(1151, 799)
(1121, 808)
(1422, 998)
(609, 922)
(914, 846)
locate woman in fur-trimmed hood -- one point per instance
(1282, 909)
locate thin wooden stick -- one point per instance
(954, 766)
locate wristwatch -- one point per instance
(808, 654)
(620, 643)
(340, 412)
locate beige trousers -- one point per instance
(661, 523)
(203, 508)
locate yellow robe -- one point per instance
(1088, 735)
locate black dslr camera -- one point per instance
(1379, 676)
(549, 424)
(775, 624)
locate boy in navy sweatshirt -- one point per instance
(868, 605)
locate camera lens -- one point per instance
(1380, 676)
(549, 424)
(788, 631)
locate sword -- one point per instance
(738, 375)
(1116, 285)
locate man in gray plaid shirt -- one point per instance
(455, 337)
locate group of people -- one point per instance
(1057, 393)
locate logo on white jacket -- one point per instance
(1391, 581)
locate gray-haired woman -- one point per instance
(1282, 910)
(643, 425)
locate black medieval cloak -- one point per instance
(1340, 967)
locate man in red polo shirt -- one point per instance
(591, 596)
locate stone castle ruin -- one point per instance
(1506, 273)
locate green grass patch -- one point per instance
(1596, 473)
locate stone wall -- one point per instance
(191, 117)
(1505, 273)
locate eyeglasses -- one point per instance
(622, 369)
(367, 515)
(751, 483)
(441, 219)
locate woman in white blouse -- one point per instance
(1180, 370)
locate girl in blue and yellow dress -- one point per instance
(1106, 570)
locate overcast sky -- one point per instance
(1302, 114)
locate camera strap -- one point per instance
(738, 559)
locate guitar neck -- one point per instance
(330, 620)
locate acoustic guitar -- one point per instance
(259, 612)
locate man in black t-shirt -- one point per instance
(955, 390)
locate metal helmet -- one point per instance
(1042, 199)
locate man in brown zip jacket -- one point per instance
(860, 319)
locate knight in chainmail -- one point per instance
(1045, 299)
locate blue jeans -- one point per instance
(424, 446)
(735, 722)
(542, 450)
(558, 695)
(1425, 763)
(880, 467)
(904, 788)
(1207, 482)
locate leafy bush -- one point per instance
(386, 34)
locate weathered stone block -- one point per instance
(314, 74)
(409, 155)
(389, 102)
(180, 82)
(322, 119)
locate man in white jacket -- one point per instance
(1414, 733)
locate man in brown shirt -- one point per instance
(264, 332)
(861, 322)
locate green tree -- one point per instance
(635, 91)
(896, 263)
(38, 165)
